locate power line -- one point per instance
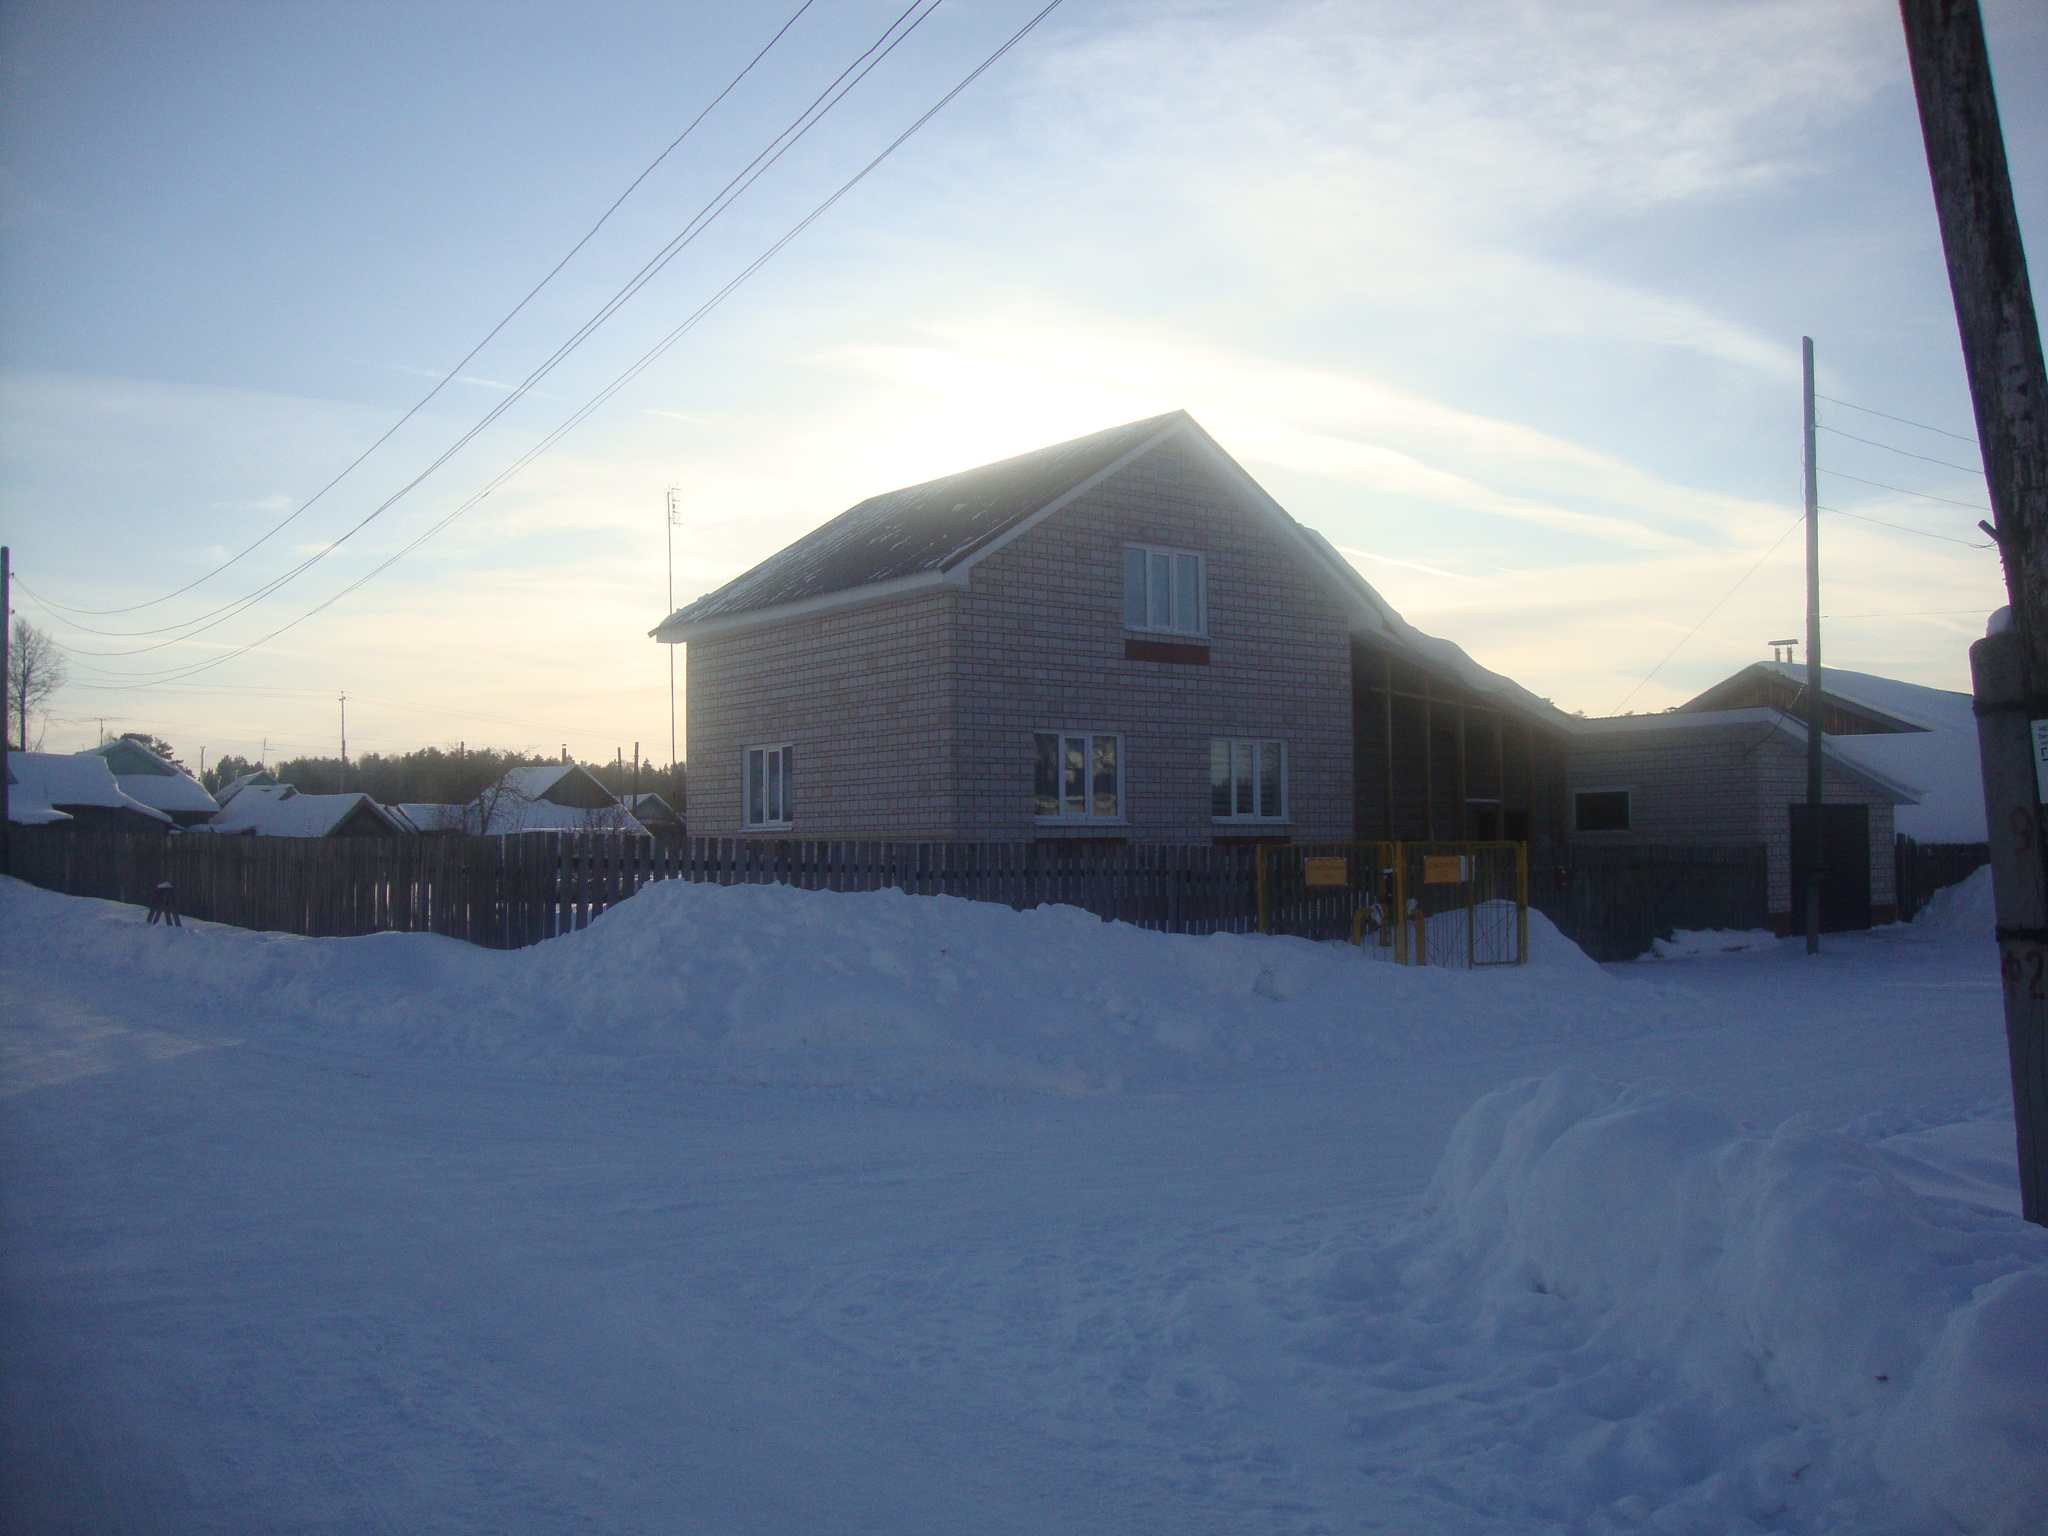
(1902, 528)
(1711, 612)
(1917, 613)
(634, 371)
(1888, 448)
(467, 357)
(1924, 496)
(863, 65)
(1902, 420)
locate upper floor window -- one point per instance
(1247, 780)
(1164, 589)
(767, 786)
(1079, 777)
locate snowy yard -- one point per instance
(755, 1211)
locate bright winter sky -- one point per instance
(1504, 298)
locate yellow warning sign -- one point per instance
(1443, 869)
(1326, 871)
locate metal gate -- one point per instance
(1457, 904)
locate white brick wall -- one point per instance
(1722, 785)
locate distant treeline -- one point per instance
(438, 775)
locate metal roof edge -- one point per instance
(670, 633)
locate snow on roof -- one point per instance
(278, 810)
(921, 528)
(533, 783)
(150, 779)
(545, 816)
(427, 816)
(54, 779)
(1901, 791)
(925, 530)
(1939, 755)
(233, 788)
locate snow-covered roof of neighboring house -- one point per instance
(1932, 743)
(649, 804)
(234, 787)
(545, 816)
(278, 810)
(933, 534)
(426, 816)
(53, 779)
(146, 777)
(1767, 722)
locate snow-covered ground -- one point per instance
(761, 1211)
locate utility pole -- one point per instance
(1816, 857)
(1994, 302)
(344, 740)
(6, 660)
(671, 526)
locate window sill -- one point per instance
(1251, 821)
(768, 826)
(1182, 652)
(1080, 821)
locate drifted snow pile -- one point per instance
(1617, 1311)
(876, 992)
(1963, 908)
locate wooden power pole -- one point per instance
(6, 625)
(1987, 273)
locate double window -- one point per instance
(1079, 777)
(767, 786)
(1164, 591)
(1247, 779)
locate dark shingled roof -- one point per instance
(921, 528)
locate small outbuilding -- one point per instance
(157, 782)
(279, 810)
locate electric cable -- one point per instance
(1902, 420)
(1902, 528)
(468, 356)
(865, 63)
(175, 674)
(1923, 495)
(1888, 448)
(1710, 612)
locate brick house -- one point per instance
(1733, 776)
(1120, 638)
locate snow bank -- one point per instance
(1686, 942)
(1964, 908)
(875, 993)
(1685, 1325)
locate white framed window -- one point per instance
(767, 796)
(1079, 776)
(1165, 590)
(1247, 779)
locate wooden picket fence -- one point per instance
(505, 892)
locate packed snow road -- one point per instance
(939, 1219)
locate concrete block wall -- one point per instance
(1042, 648)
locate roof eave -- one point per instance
(672, 632)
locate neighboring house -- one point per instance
(258, 777)
(654, 813)
(1925, 737)
(554, 797)
(49, 787)
(1119, 638)
(148, 778)
(278, 810)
